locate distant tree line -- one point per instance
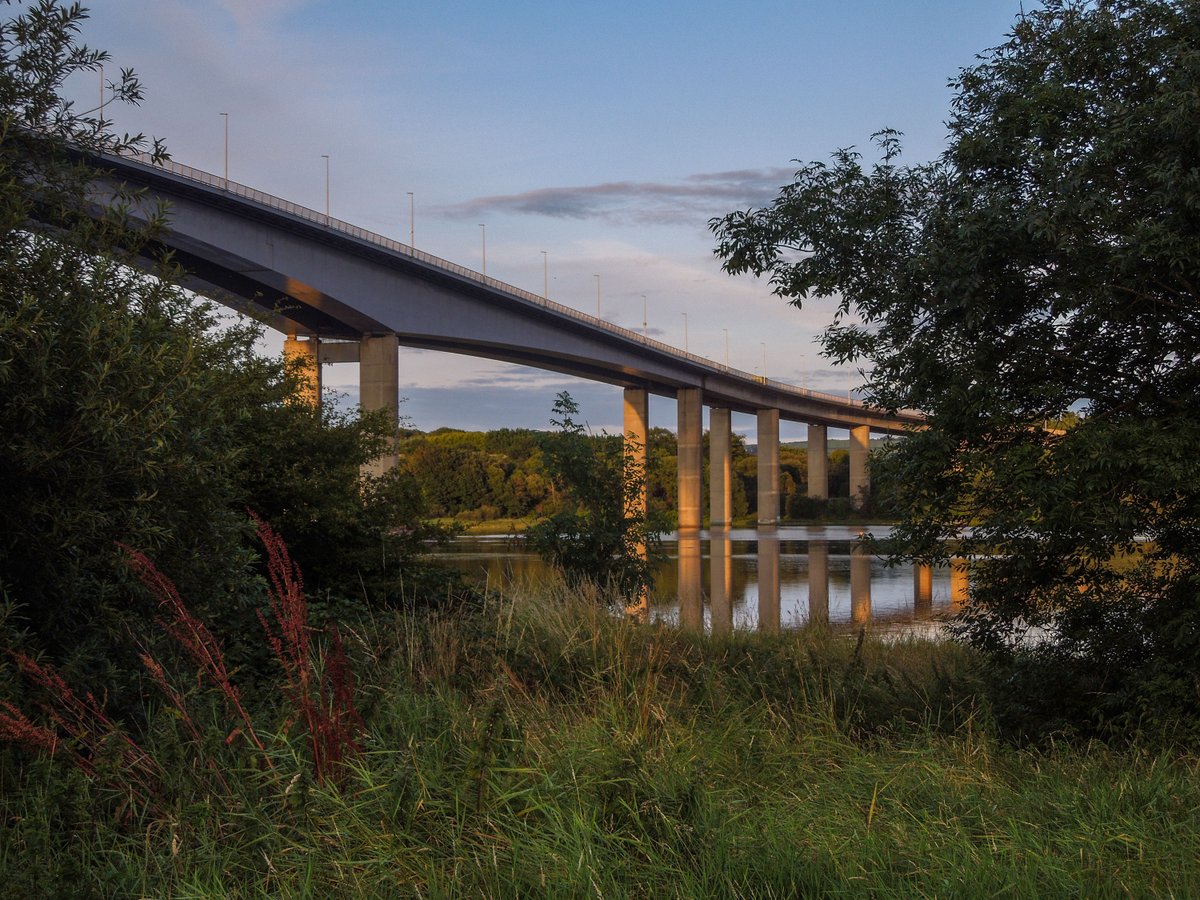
(477, 476)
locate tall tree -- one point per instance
(1045, 265)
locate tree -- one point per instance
(130, 411)
(1046, 264)
(594, 535)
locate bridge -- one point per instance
(344, 294)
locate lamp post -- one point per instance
(645, 327)
(412, 220)
(685, 334)
(726, 330)
(597, 277)
(545, 275)
(226, 117)
(764, 346)
(483, 245)
(325, 156)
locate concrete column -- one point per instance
(768, 467)
(768, 580)
(720, 569)
(637, 436)
(860, 477)
(304, 356)
(691, 447)
(720, 473)
(379, 386)
(818, 582)
(818, 462)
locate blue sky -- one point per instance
(606, 134)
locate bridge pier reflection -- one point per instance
(860, 585)
(922, 587)
(768, 580)
(691, 602)
(818, 582)
(720, 577)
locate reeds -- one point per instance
(319, 689)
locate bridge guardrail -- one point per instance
(318, 218)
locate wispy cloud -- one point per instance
(638, 202)
(259, 14)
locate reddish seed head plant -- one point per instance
(322, 697)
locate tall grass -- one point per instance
(537, 746)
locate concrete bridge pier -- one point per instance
(720, 473)
(691, 459)
(379, 387)
(818, 462)
(304, 356)
(860, 476)
(636, 456)
(768, 468)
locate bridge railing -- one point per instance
(379, 240)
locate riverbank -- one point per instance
(537, 746)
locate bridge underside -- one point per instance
(358, 297)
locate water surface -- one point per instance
(748, 579)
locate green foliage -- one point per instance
(598, 534)
(355, 535)
(129, 411)
(1044, 267)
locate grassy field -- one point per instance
(535, 746)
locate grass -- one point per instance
(536, 746)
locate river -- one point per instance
(747, 579)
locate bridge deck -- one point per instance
(314, 274)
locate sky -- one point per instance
(605, 134)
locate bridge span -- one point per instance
(344, 294)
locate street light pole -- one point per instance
(545, 275)
(226, 116)
(645, 327)
(764, 346)
(726, 330)
(483, 244)
(412, 220)
(325, 156)
(685, 334)
(597, 277)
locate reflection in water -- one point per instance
(818, 582)
(779, 578)
(860, 585)
(768, 580)
(691, 602)
(922, 587)
(720, 578)
(958, 583)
